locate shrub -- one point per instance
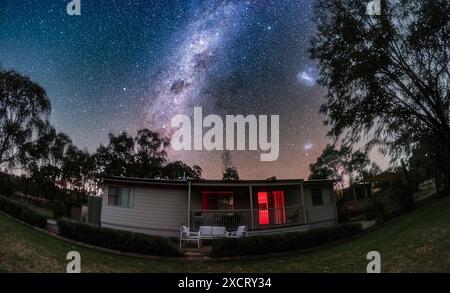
(406, 201)
(376, 210)
(58, 209)
(283, 242)
(22, 212)
(117, 239)
(343, 214)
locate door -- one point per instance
(263, 208)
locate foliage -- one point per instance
(6, 185)
(404, 197)
(343, 214)
(230, 174)
(330, 164)
(336, 163)
(422, 162)
(22, 212)
(179, 170)
(376, 210)
(58, 209)
(387, 76)
(52, 166)
(143, 156)
(117, 239)
(24, 107)
(284, 241)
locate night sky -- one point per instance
(126, 65)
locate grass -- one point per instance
(416, 242)
(29, 203)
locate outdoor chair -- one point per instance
(187, 235)
(240, 232)
(212, 232)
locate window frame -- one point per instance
(315, 196)
(117, 196)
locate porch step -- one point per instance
(197, 253)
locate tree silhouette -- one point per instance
(179, 170)
(230, 174)
(24, 106)
(331, 164)
(117, 158)
(386, 75)
(150, 154)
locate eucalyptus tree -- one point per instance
(24, 107)
(386, 76)
(150, 154)
(117, 157)
(180, 170)
(230, 174)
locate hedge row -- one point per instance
(22, 212)
(117, 239)
(253, 245)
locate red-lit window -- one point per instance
(263, 205)
(217, 200)
(279, 208)
(271, 208)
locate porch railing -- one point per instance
(231, 219)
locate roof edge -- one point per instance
(153, 181)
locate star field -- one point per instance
(124, 65)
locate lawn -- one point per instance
(417, 242)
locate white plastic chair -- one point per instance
(187, 235)
(240, 232)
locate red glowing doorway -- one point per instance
(271, 208)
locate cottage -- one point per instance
(159, 207)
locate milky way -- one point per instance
(124, 65)
(179, 86)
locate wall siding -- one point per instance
(157, 211)
(161, 211)
(320, 215)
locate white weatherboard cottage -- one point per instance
(160, 207)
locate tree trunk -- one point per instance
(410, 187)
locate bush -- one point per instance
(117, 239)
(406, 201)
(22, 212)
(376, 210)
(343, 214)
(58, 209)
(283, 242)
(6, 186)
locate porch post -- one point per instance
(302, 198)
(189, 205)
(252, 222)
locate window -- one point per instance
(263, 205)
(271, 208)
(217, 200)
(279, 208)
(120, 196)
(316, 195)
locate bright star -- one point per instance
(308, 146)
(308, 76)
